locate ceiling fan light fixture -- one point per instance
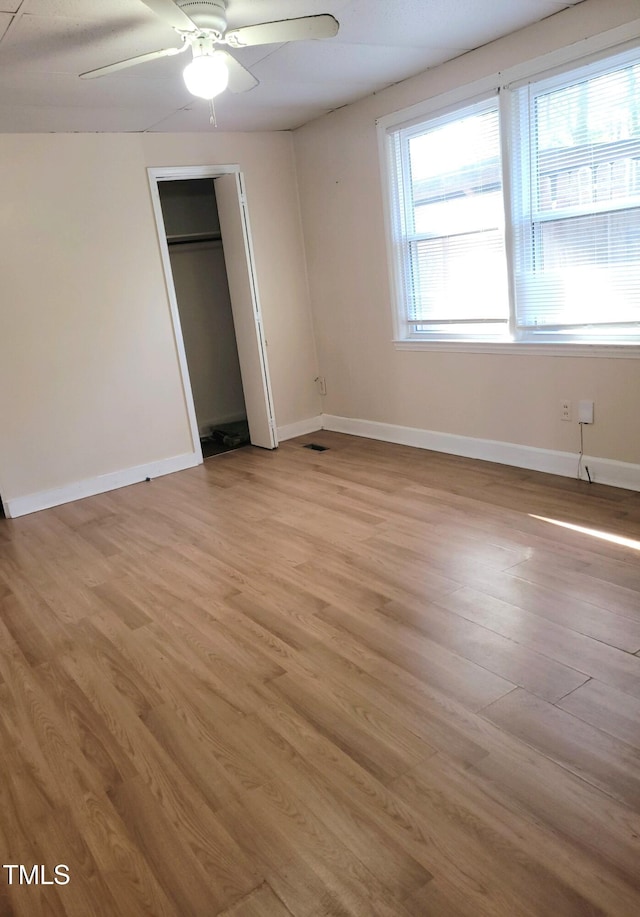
(207, 75)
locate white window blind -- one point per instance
(448, 223)
(576, 202)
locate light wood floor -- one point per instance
(367, 681)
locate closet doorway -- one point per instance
(206, 247)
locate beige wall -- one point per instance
(504, 397)
(89, 380)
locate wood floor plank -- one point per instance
(408, 828)
(531, 879)
(182, 876)
(89, 733)
(584, 654)
(87, 891)
(432, 547)
(329, 855)
(607, 762)
(373, 681)
(612, 596)
(470, 683)
(292, 878)
(212, 765)
(609, 710)
(263, 902)
(42, 782)
(452, 516)
(256, 577)
(33, 612)
(181, 806)
(292, 627)
(368, 577)
(381, 745)
(397, 693)
(516, 663)
(527, 782)
(613, 628)
(441, 899)
(398, 872)
(226, 686)
(32, 640)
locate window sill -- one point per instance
(533, 348)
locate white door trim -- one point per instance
(180, 173)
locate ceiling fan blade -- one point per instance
(172, 14)
(132, 62)
(267, 33)
(240, 80)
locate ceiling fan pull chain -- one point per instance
(212, 115)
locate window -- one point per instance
(561, 263)
(451, 221)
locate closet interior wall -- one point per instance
(197, 263)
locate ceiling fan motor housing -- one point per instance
(209, 15)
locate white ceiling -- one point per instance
(45, 44)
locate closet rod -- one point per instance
(187, 238)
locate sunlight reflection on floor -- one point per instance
(596, 533)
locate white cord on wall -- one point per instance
(581, 456)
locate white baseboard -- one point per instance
(602, 470)
(300, 428)
(20, 506)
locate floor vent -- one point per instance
(316, 447)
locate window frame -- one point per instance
(551, 67)
(406, 212)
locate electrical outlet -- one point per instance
(322, 385)
(565, 410)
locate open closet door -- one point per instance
(246, 309)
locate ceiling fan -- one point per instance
(202, 25)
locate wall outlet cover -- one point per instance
(585, 412)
